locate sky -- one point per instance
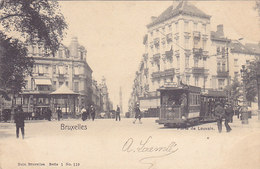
(112, 32)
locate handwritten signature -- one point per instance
(146, 147)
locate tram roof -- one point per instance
(215, 93)
(172, 87)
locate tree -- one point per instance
(234, 90)
(31, 21)
(251, 80)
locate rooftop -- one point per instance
(183, 8)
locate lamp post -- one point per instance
(244, 113)
(258, 87)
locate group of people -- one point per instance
(89, 112)
(224, 113)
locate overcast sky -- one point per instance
(112, 33)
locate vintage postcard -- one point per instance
(129, 84)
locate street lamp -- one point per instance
(244, 108)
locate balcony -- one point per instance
(166, 73)
(224, 74)
(198, 70)
(205, 37)
(196, 34)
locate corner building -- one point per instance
(68, 66)
(176, 50)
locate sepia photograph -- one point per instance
(99, 84)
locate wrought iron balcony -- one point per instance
(198, 70)
(168, 72)
(222, 73)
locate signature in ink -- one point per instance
(146, 147)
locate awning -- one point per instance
(42, 81)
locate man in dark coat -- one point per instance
(92, 112)
(118, 113)
(229, 112)
(49, 114)
(59, 112)
(19, 121)
(137, 114)
(219, 113)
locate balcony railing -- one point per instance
(198, 70)
(222, 73)
(168, 72)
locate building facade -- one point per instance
(180, 47)
(68, 66)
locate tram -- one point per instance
(185, 105)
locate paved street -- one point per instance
(109, 144)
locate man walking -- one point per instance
(49, 114)
(92, 112)
(137, 114)
(229, 112)
(118, 113)
(19, 121)
(59, 112)
(219, 113)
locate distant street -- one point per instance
(105, 140)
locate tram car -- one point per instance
(185, 105)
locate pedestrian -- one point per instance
(92, 112)
(219, 113)
(137, 114)
(49, 113)
(59, 113)
(84, 113)
(118, 113)
(229, 112)
(19, 121)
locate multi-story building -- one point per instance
(180, 47)
(67, 67)
(107, 105)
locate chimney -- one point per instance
(220, 31)
(74, 47)
(153, 18)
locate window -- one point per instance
(176, 26)
(223, 67)
(67, 83)
(171, 79)
(170, 27)
(236, 74)
(40, 50)
(218, 50)
(188, 80)
(204, 27)
(81, 55)
(54, 85)
(247, 62)
(76, 86)
(196, 62)
(196, 81)
(46, 69)
(66, 69)
(178, 62)
(186, 43)
(219, 67)
(187, 64)
(61, 70)
(221, 83)
(204, 42)
(40, 69)
(236, 62)
(76, 70)
(186, 26)
(54, 69)
(33, 49)
(163, 29)
(60, 84)
(195, 26)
